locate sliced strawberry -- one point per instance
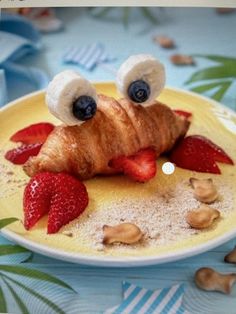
(183, 113)
(68, 202)
(21, 154)
(60, 194)
(37, 198)
(118, 163)
(218, 153)
(199, 154)
(34, 133)
(140, 167)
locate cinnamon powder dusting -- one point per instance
(10, 182)
(161, 217)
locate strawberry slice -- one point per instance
(183, 113)
(37, 197)
(198, 153)
(140, 167)
(69, 200)
(34, 133)
(60, 194)
(21, 154)
(218, 153)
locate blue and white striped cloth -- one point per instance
(138, 300)
(88, 56)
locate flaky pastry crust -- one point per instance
(118, 128)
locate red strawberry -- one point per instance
(60, 194)
(200, 154)
(37, 198)
(182, 113)
(21, 154)
(68, 202)
(218, 153)
(34, 133)
(140, 167)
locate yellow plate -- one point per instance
(209, 118)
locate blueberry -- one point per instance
(84, 108)
(139, 91)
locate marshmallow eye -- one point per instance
(141, 79)
(71, 98)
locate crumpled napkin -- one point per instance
(20, 26)
(13, 47)
(3, 88)
(18, 38)
(138, 300)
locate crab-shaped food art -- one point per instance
(101, 135)
(99, 129)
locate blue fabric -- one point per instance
(18, 38)
(13, 47)
(22, 80)
(3, 87)
(20, 26)
(88, 56)
(137, 300)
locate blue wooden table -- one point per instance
(195, 31)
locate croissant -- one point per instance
(118, 128)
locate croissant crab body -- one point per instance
(118, 128)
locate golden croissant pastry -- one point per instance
(118, 128)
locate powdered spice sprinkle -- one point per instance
(160, 217)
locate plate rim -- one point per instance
(124, 261)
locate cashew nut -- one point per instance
(231, 257)
(164, 41)
(124, 233)
(202, 217)
(204, 190)
(210, 280)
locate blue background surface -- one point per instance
(195, 31)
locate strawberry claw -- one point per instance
(217, 152)
(34, 133)
(21, 154)
(200, 154)
(60, 195)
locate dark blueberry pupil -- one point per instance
(139, 91)
(84, 108)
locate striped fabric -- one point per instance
(88, 56)
(138, 300)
